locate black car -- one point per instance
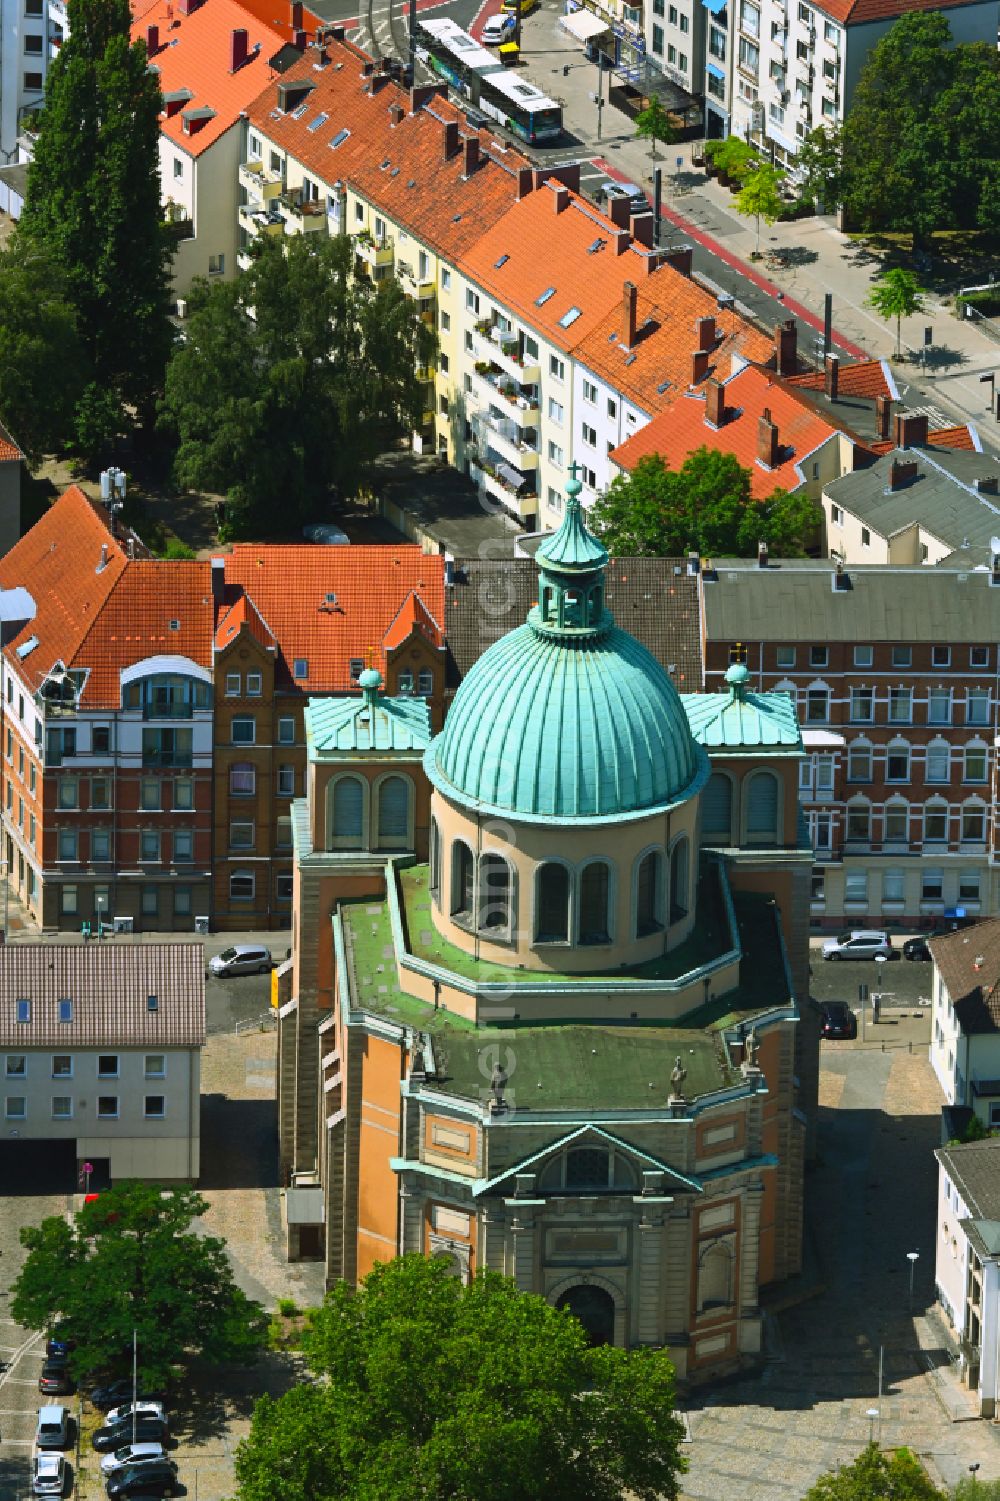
(157, 1478)
(838, 1020)
(147, 1431)
(916, 948)
(115, 1393)
(55, 1380)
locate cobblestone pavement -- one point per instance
(870, 1200)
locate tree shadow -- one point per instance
(940, 357)
(800, 255)
(239, 1143)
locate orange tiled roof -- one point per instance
(868, 378)
(290, 587)
(194, 56)
(553, 253)
(678, 432)
(160, 607)
(397, 163)
(857, 12)
(943, 437)
(9, 450)
(243, 612)
(657, 369)
(413, 615)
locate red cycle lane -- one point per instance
(736, 264)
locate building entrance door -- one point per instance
(595, 1309)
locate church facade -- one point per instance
(546, 1007)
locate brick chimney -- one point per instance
(525, 182)
(705, 329)
(152, 40)
(831, 383)
(299, 40)
(767, 440)
(901, 472)
(629, 302)
(618, 212)
(471, 147)
(911, 429)
(620, 241)
(239, 47)
(396, 113)
(988, 484)
(715, 403)
(449, 139)
(560, 197)
(785, 347)
(295, 15)
(883, 415)
(699, 366)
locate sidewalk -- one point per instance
(822, 259)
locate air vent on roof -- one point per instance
(384, 165)
(501, 262)
(630, 359)
(394, 172)
(541, 301)
(412, 182)
(27, 647)
(455, 218)
(330, 599)
(597, 245)
(175, 625)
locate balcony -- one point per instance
(376, 254)
(507, 486)
(166, 759)
(262, 186)
(491, 346)
(414, 285)
(520, 404)
(502, 438)
(244, 260)
(302, 215)
(260, 221)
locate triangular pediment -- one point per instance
(580, 1136)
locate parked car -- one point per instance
(48, 1475)
(326, 533)
(113, 1393)
(59, 1341)
(242, 959)
(114, 1436)
(499, 28)
(53, 1427)
(916, 948)
(144, 1409)
(859, 943)
(838, 1020)
(55, 1380)
(132, 1454)
(637, 200)
(157, 1477)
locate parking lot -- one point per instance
(905, 988)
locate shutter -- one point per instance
(393, 811)
(348, 804)
(717, 805)
(762, 814)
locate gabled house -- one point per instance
(965, 1021)
(967, 1262)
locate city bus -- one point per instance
(481, 78)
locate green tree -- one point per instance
(760, 196)
(440, 1392)
(896, 294)
(93, 205)
(971, 1488)
(706, 504)
(42, 364)
(874, 1476)
(285, 406)
(820, 163)
(922, 137)
(129, 1261)
(654, 124)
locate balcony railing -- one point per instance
(507, 486)
(259, 183)
(503, 438)
(181, 760)
(520, 403)
(375, 253)
(302, 214)
(260, 221)
(491, 346)
(167, 711)
(413, 283)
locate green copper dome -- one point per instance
(567, 718)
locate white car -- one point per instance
(242, 959)
(859, 943)
(142, 1410)
(48, 1475)
(499, 28)
(131, 1454)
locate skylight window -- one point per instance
(549, 292)
(569, 317)
(339, 138)
(501, 262)
(298, 113)
(319, 120)
(300, 668)
(65, 1011)
(24, 1011)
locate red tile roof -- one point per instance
(397, 163)
(942, 437)
(857, 12)
(194, 56)
(291, 586)
(237, 615)
(9, 451)
(552, 258)
(657, 369)
(413, 615)
(159, 608)
(679, 431)
(868, 378)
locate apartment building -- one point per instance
(894, 675)
(101, 1058)
(295, 624)
(965, 1024)
(967, 1264)
(31, 32)
(777, 69)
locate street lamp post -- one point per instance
(974, 1471)
(880, 962)
(871, 1415)
(99, 906)
(912, 1257)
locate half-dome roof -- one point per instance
(567, 718)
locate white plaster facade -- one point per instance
(967, 1264)
(962, 1060)
(30, 34)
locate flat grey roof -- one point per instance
(796, 601)
(942, 497)
(974, 1167)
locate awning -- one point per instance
(583, 24)
(715, 72)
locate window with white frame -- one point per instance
(893, 886)
(938, 763)
(939, 704)
(859, 822)
(977, 707)
(931, 884)
(590, 392)
(935, 822)
(973, 824)
(856, 886)
(975, 763)
(896, 823)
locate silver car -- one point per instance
(242, 959)
(131, 1454)
(48, 1475)
(859, 943)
